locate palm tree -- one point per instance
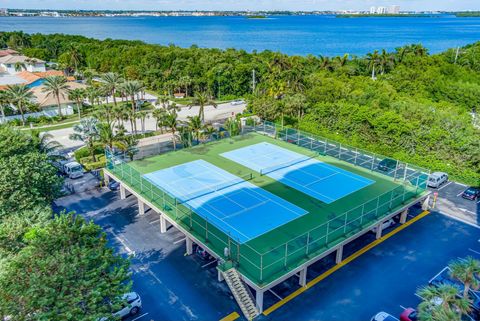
(173, 108)
(185, 82)
(163, 100)
(467, 272)
(209, 131)
(19, 66)
(128, 145)
(132, 88)
(385, 61)
(74, 57)
(142, 115)
(106, 136)
(87, 132)
(92, 95)
(112, 83)
(159, 115)
(342, 61)
(4, 101)
(46, 145)
(439, 302)
(195, 125)
(77, 95)
(20, 95)
(171, 121)
(57, 87)
(202, 99)
(373, 61)
(120, 114)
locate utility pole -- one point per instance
(254, 81)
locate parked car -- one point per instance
(437, 179)
(409, 314)
(237, 102)
(383, 316)
(387, 165)
(114, 185)
(385, 225)
(132, 303)
(471, 193)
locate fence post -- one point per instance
(261, 267)
(339, 151)
(345, 223)
(286, 253)
(206, 231)
(373, 161)
(308, 242)
(328, 228)
(356, 155)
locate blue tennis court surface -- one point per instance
(308, 175)
(237, 207)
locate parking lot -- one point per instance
(385, 278)
(450, 202)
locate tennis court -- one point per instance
(235, 206)
(304, 173)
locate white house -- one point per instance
(13, 64)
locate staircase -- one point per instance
(241, 293)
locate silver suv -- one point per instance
(437, 179)
(132, 303)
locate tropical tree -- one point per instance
(163, 100)
(201, 100)
(132, 88)
(143, 115)
(20, 96)
(171, 121)
(233, 126)
(87, 131)
(159, 115)
(4, 101)
(45, 144)
(19, 66)
(112, 82)
(466, 271)
(195, 125)
(373, 60)
(442, 303)
(92, 93)
(57, 87)
(128, 145)
(77, 95)
(209, 132)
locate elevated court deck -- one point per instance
(266, 260)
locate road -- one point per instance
(212, 114)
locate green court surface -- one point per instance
(271, 255)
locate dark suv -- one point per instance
(471, 193)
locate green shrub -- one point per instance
(84, 152)
(95, 165)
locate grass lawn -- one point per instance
(311, 228)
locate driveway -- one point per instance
(212, 114)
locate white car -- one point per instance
(385, 225)
(437, 179)
(131, 306)
(237, 102)
(383, 316)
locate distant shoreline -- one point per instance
(406, 15)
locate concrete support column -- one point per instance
(163, 224)
(141, 207)
(403, 217)
(339, 256)
(379, 231)
(123, 194)
(106, 178)
(426, 204)
(259, 300)
(189, 245)
(303, 277)
(220, 276)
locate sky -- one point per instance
(307, 5)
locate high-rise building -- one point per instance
(373, 10)
(381, 10)
(393, 10)
(3, 11)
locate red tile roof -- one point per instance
(7, 52)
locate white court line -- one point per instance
(445, 186)
(279, 297)
(476, 252)
(141, 316)
(179, 241)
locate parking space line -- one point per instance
(342, 264)
(476, 252)
(231, 317)
(445, 186)
(179, 241)
(461, 184)
(155, 221)
(209, 263)
(402, 307)
(119, 239)
(279, 297)
(140, 316)
(459, 193)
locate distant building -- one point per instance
(373, 10)
(393, 10)
(3, 11)
(381, 10)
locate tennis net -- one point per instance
(296, 161)
(209, 189)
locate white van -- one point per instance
(437, 179)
